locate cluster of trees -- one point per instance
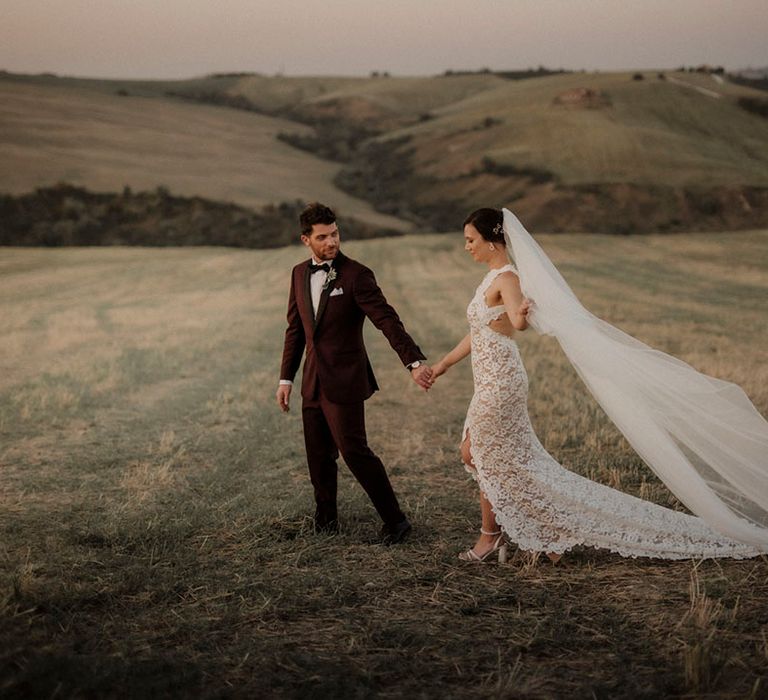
(333, 139)
(509, 74)
(66, 215)
(718, 70)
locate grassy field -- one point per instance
(156, 530)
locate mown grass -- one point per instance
(156, 530)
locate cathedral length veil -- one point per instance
(700, 435)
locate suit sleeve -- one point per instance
(370, 299)
(293, 347)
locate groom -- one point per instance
(330, 297)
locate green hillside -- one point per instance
(569, 152)
(629, 150)
(641, 132)
(89, 135)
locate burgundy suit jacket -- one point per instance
(336, 358)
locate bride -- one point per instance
(702, 436)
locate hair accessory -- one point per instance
(497, 229)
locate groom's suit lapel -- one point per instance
(308, 292)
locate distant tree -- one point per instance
(638, 76)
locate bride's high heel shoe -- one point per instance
(499, 545)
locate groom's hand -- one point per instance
(422, 375)
(284, 396)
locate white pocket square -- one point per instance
(337, 292)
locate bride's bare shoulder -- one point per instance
(508, 278)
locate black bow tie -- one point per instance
(316, 268)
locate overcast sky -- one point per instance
(184, 38)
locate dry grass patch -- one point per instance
(156, 529)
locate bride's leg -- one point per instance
(488, 518)
(466, 453)
(489, 523)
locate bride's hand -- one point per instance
(438, 369)
(524, 308)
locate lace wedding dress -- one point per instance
(539, 504)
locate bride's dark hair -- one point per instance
(489, 224)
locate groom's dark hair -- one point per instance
(315, 213)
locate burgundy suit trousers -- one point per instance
(330, 428)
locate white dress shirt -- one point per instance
(316, 282)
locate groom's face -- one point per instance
(323, 241)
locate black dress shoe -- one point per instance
(326, 523)
(394, 534)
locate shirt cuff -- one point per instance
(286, 382)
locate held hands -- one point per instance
(434, 372)
(422, 375)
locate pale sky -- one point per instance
(186, 38)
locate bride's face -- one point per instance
(475, 244)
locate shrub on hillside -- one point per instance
(333, 139)
(537, 176)
(755, 105)
(66, 215)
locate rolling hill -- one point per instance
(99, 139)
(613, 152)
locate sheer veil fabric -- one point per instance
(702, 436)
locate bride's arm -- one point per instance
(512, 297)
(456, 355)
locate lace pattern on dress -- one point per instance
(539, 504)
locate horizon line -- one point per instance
(380, 73)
